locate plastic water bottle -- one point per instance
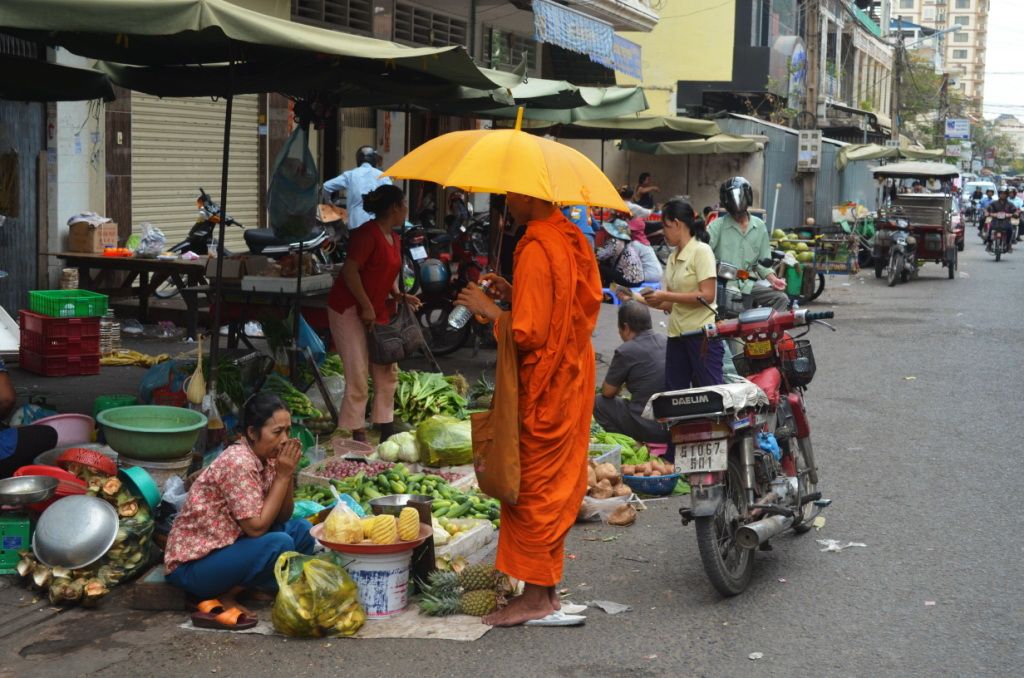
(460, 315)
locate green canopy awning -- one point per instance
(34, 80)
(183, 32)
(719, 143)
(876, 152)
(643, 128)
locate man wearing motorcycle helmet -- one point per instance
(741, 239)
(356, 182)
(1003, 205)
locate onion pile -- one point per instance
(336, 467)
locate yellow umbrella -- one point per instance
(510, 161)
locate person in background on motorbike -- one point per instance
(689, 278)
(639, 367)
(1017, 202)
(989, 197)
(357, 182)
(365, 293)
(741, 239)
(1002, 204)
(645, 190)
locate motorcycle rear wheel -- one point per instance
(728, 566)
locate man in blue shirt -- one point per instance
(357, 182)
(990, 195)
(580, 215)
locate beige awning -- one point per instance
(713, 145)
(876, 152)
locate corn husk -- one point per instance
(25, 565)
(41, 575)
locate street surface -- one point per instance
(915, 416)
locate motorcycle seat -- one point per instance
(694, 403)
(258, 239)
(769, 381)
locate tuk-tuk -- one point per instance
(918, 219)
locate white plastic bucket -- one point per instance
(383, 581)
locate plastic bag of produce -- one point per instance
(133, 546)
(335, 384)
(445, 441)
(343, 525)
(600, 509)
(315, 597)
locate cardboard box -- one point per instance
(236, 267)
(86, 237)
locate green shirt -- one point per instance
(744, 250)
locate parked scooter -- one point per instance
(902, 254)
(745, 448)
(201, 240)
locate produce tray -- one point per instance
(58, 346)
(54, 328)
(606, 454)
(60, 365)
(67, 303)
(468, 542)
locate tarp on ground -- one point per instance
(34, 80)
(876, 152)
(719, 143)
(180, 32)
(643, 128)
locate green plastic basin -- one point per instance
(151, 432)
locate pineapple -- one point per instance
(439, 606)
(384, 530)
(478, 603)
(367, 525)
(442, 584)
(408, 524)
(477, 577)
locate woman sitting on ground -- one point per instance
(19, 446)
(617, 260)
(236, 520)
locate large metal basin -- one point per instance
(75, 532)
(151, 432)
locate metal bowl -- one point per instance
(394, 503)
(26, 490)
(75, 532)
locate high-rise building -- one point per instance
(962, 48)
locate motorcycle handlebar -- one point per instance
(819, 315)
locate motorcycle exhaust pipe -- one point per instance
(754, 534)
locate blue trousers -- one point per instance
(692, 362)
(249, 562)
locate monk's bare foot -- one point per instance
(556, 602)
(534, 603)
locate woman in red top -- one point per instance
(364, 294)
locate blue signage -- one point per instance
(627, 57)
(574, 31)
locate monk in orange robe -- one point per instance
(556, 299)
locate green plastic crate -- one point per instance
(67, 303)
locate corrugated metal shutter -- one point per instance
(177, 147)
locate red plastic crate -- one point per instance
(58, 346)
(59, 365)
(51, 328)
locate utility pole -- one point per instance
(897, 80)
(942, 113)
(811, 86)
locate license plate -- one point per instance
(757, 349)
(710, 455)
(418, 253)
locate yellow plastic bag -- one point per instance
(315, 597)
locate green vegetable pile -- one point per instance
(421, 395)
(297, 401)
(449, 502)
(632, 451)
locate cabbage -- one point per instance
(409, 449)
(388, 450)
(445, 441)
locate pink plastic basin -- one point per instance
(72, 429)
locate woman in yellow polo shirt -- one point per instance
(689, 274)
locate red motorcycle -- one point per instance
(746, 447)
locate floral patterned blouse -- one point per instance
(230, 490)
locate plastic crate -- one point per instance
(52, 328)
(610, 454)
(59, 365)
(67, 303)
(58, 346)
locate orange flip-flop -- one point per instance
(210, 614)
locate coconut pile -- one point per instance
(605, 482)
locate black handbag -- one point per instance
(397, 340)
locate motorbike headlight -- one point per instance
(902, 223)
(911, 240)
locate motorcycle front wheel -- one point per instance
(441, 337)
(726, 564)
(895, 268)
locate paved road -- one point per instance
(915, 411)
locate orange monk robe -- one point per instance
(556, 298)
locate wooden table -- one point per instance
(150, 273)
